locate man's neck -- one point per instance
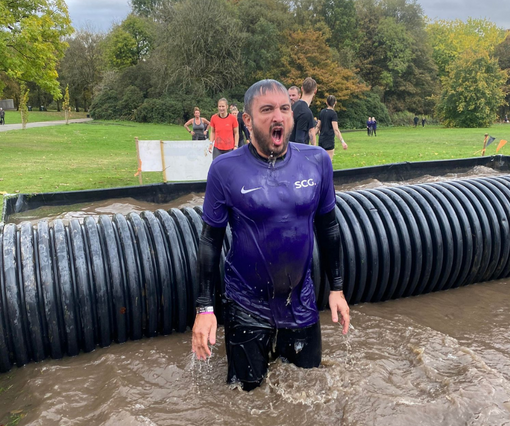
(307, 98)
(255, 152)
(223, 115)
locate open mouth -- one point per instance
(277, 135)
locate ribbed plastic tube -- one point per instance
(71, 287)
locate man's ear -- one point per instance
(247, 120)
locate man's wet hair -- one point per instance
(260, 88)
(223, 100)
(331, 100)
(309, 85)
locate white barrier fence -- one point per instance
(178, 160)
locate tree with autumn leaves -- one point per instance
(307, 54)
(471, 78)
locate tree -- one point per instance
(81, 67)
(307, 54)
(200, 46)
(23, 105)
(472, 91)
(263, 22)
(502, 52)
(66, 105)
(341, 18)
(394, 57)
(145, 8)
(450, 39)
(129, 42)
(31, 41)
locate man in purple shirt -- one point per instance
(271, 192)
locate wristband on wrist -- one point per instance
(205, 310)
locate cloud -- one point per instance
(497, 12)
(101, 14)
(96, 14)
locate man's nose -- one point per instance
(277, 115)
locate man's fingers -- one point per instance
(212, 335)
(334, 313)
(346, 320)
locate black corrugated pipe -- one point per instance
(66, 288)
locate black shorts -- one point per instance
(217, 152)
(251, 341)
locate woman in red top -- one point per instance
(223, 130)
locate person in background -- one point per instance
(304, 123)
(328, 128)
(273, 193)
(244, 134)
(374, 126)
(423, 120)
(199, 126)
(223, 131)
(415, 119)
(2, 116)
(294, 94)
(369, 126)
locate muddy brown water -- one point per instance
(435, 359)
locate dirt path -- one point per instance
(7, 127)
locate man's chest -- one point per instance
(273, 193)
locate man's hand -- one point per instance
(337, 303)
(210, 147)
(344, 145)
(204, 330)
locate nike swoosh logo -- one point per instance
(246, 191)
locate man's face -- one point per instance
(271, 123)
(293, 95)
(222, 108)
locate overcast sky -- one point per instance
(99, 15)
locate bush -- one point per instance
(159, 111)
(358, 110)
(106, 106)
(403, 118)
(131, 100)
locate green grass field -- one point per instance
(14, 117)
(103, 154)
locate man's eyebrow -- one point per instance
(273, 105)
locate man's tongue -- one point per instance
(276, 135)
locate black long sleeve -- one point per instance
(209, 252)
(330, 247)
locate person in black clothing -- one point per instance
(2, 116)
(374, 126)
(416, 120)
(328, 127)
(423, 122)
(244, 133)
(304, 123)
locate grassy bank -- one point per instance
(393, 145)
(103, 154)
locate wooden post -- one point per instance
(139, 172)
(162, 146)
(485, 144)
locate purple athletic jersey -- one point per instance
(271, 210)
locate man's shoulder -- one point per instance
(300, 149)
(300, 105)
